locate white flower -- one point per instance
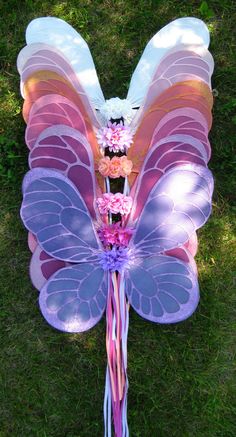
(116, 108)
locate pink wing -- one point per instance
(41, 57)
(180, 64)
(42, 267)
(51, 110)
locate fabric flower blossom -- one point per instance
(117, 108)
(104, 166)
(115, 259)
(116, 136)
(115, 203)
(114, 234)
(114, 170)
(116, 167)
(125, 166)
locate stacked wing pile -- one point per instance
(94, 249)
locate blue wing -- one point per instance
(56, 213)
(74, 298)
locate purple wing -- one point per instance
(55, 212)
(162, 289)
(176, 207)
(74, 298)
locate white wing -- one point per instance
(186, 31)
(60, 35)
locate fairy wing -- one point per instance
(183, 96)
(74, 297)
(59, 34)
(186, 32)
(163, 288)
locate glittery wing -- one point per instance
(176, 207)
(55, 212)
(45, 70)
(162, 289)
(160, 63)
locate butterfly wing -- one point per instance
(55, 212)
(176, 207)
(160, 287)
(182, 96)
(187, 32)
(51, 110)
(74, 298)
(60, 35)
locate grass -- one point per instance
(182, 381)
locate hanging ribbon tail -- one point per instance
(115, 398)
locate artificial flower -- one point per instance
(114, 203)
(104, 166)
(115, 136)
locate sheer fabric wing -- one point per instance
(63, 37)
(183, 63)
(54, 211)
(176, 207)
(74, 298)
(162, 289)
(182, 96)
(188, 31)
(42, 267)
(49, 111)
(64, 149)
(166, 154)
(54, 67)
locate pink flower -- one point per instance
(120, 204)
(124, 236)
(103, 203)
(115, 136)
(104, 166)
(115, 203)
(115, 235)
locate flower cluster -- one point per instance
(117, 108)
(115, 136)
(115, 259)
(115, 167)
(114, 203)
(114, 234)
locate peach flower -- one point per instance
(115, 168)
(104, 166)
(125, 166)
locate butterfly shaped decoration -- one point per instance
(95, 250)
